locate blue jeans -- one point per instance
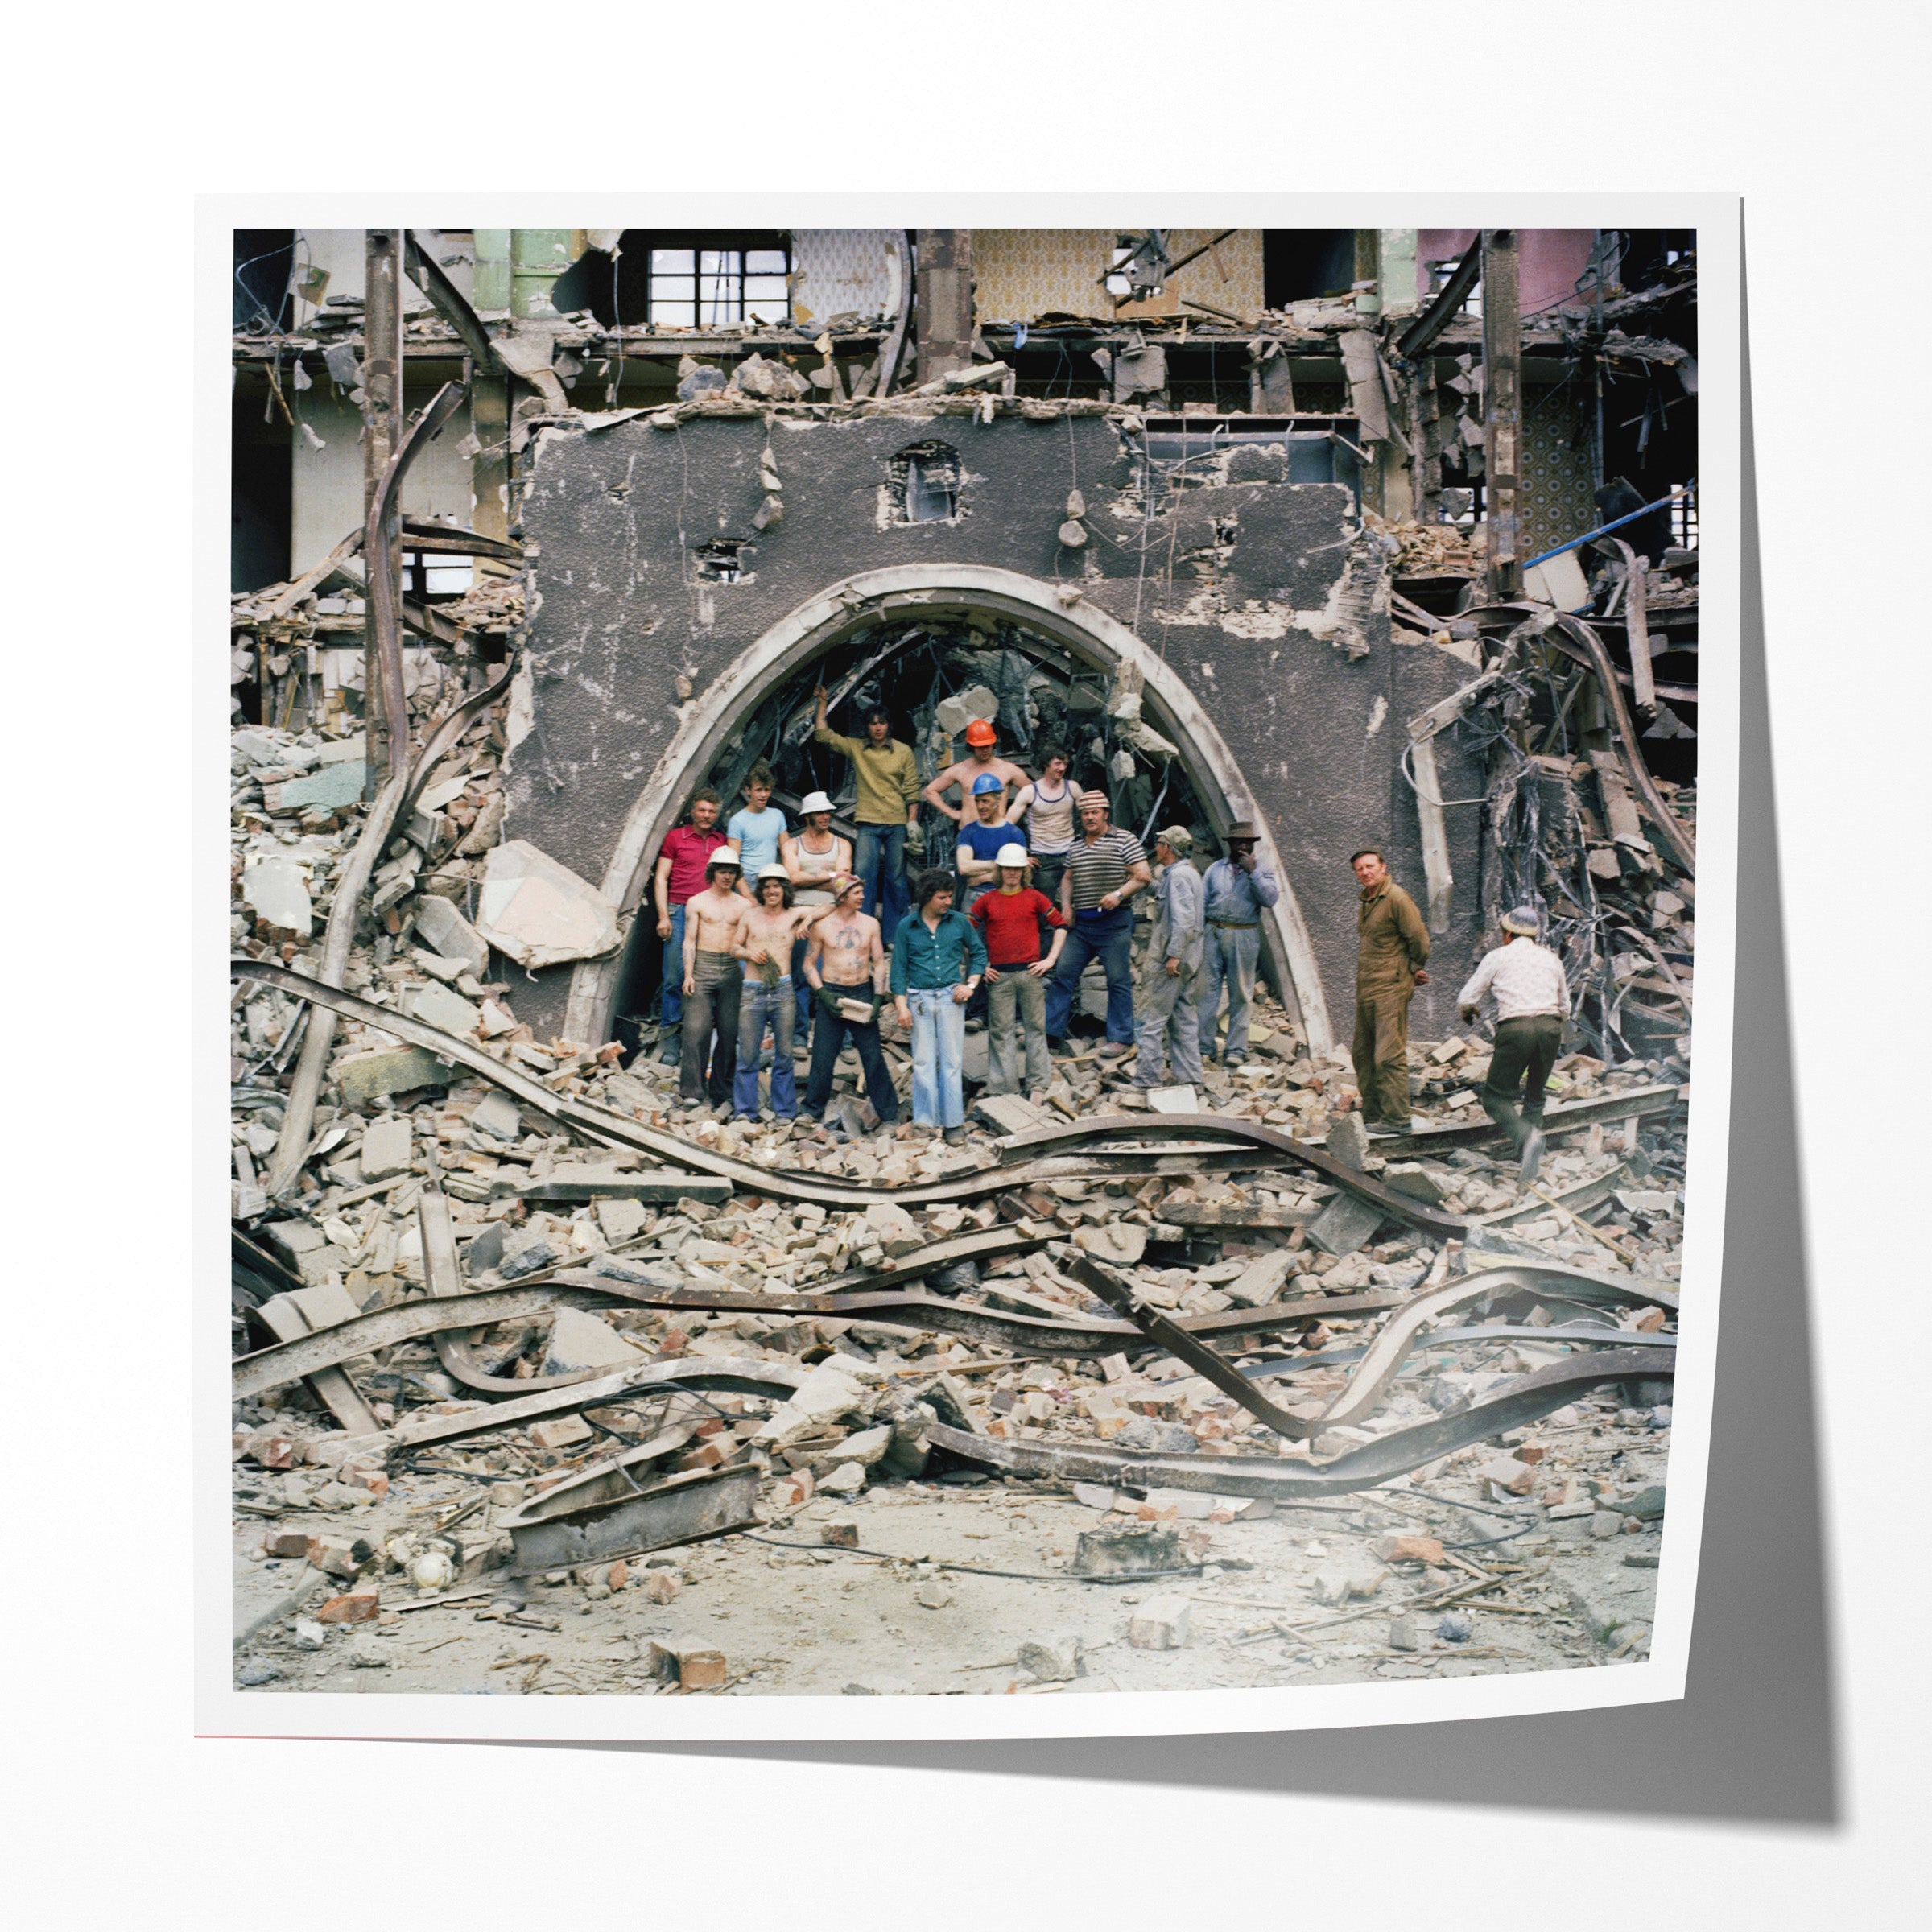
(670, 1000)
(760, 1006)
(880, 861)
(938, 1045)
(1230, 954)
(1107, 937)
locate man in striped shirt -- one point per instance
(1107, 866)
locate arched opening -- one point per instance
(883, 626)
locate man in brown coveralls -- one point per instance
(1392, 946)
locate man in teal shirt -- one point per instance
(938, 958)
(757, 829)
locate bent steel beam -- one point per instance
(1283, 1480)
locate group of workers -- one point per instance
(770, 933)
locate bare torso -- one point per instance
(845, 949)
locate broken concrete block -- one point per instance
(527, 1255)
(1647, 1505)
(497, 1116)
(1516, 1478)
(826, 1394)
(663, 1587)
(363, 1077)
(1122, 1243)
(1348, 1141)
(308, 1634)
(848, 1478)
(1344, 1223)
(277, 891)
(1007, 1113)
(330, 787)
(540, 913)
(1185, 1505)
(560, 1432)
(1137, 1549)
(387, 1148)
(1403, 1634)
(579, 1339)
(1173, 1099)
(621, 1221)
(1337, 1584)
(1260, 1281)
(436, 1004)
(1606, 1523)
(1160, 1623)
(1058, 1659)
(439, 924)
(952, 714)
(1093, 1496)
(1160, 1438)
(1414, 1180)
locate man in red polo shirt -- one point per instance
(1016, 974)
(680, 877)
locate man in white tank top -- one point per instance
(813, 857)
(1046, 806)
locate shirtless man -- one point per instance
(712, 981)
(845, 958)
(813, 857)
(765, 933)
(980, 737)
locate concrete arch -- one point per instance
(822, 621)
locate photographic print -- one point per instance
(962, 963)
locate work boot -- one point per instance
(954, 1136)
(1532, 1156)
(1390, 1130)
(1114, 1049)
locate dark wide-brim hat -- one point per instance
(1242, 828)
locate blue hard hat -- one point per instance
(988, 781)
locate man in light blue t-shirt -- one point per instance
(758, 828)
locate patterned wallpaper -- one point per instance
(1559, 499)
(1023, 273)
(840, 269)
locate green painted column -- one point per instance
(492, 289)
(537, 257)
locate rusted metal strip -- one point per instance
(732, 1374)
(1180, 1343)
(1285, 1480)
(1210, 1126)
(610, 1130)
(1636, 631)
(1381, 1361)
(603, 1513)
(448, 301)
(1446, 308)
(1632, 1103)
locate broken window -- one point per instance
(720, 561)
(1298, 264)
(682, 278)
(432, 574)
(1181, 451)
(706, 288)
(926, 483)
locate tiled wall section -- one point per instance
(1558, 500)
(1024, 272)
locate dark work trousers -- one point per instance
(1107, 937)
(1381, 1054)
(1525, 1050)
(713, 1004)
(830, 1031)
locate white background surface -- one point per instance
(123, 1817)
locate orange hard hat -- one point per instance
(979, 731)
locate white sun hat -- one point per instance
(814, 801)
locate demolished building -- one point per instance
(1262, 524)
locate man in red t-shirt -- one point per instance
(1016, 974)
(680, 876)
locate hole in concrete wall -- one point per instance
(928, 676)
(722, 559)
(926, 483)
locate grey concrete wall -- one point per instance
(615, 518)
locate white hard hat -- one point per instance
(1010, 854)
(814, 801)
(773, 872)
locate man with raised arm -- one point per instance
(887, 811)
